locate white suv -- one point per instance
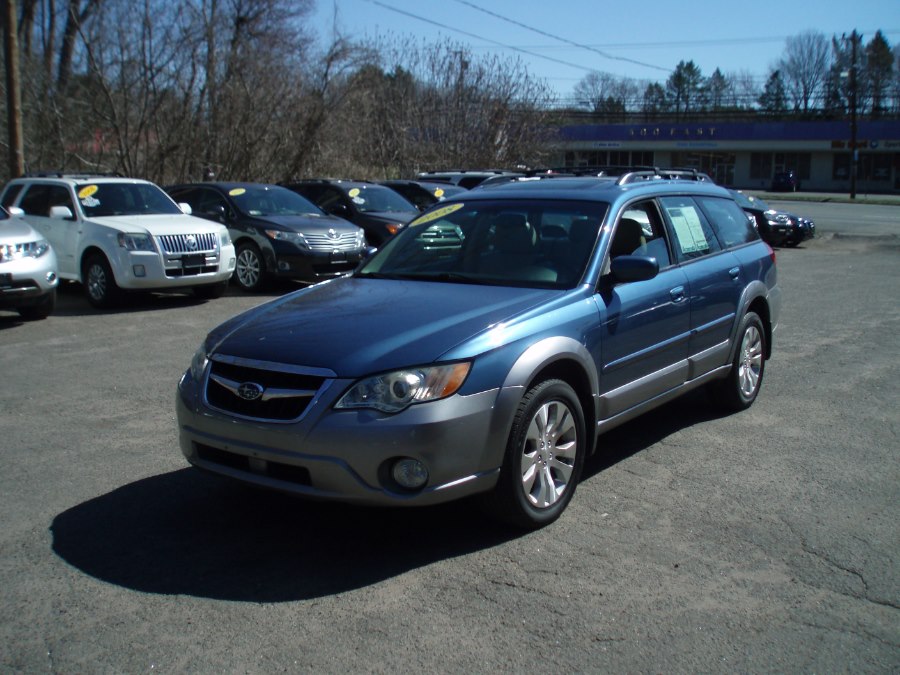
(115, 234)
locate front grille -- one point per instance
(188, 243)
(345, 241)
(284, 396)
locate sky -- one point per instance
(563, 40)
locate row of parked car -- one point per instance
(116, 234)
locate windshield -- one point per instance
(535, 243)
(378, 198)
(271, 200)
(748, 202)
(124, 199)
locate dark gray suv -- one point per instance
(554, 311)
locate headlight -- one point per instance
(294, 237)
(224, 239)
(360, 238)
(393, 392)
(136, 242)
(198, 363)
(31, 249)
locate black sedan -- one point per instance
(378, 210)
(423, 193)
(276, 232)
(777, 228)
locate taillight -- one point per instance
(771, 252)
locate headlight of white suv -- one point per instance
(393, 392)
(31, 249)
(136, 242)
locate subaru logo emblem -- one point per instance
(191, 242)
(332, 234)
(250, 391)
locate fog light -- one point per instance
(409, 473)
(139, 271)
(231, 263)
(283, 266)
(51, 277)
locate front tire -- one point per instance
(99, 283)
(543, 459)
(211, 291)
(39, 310)
(250, 269)
(740, 388)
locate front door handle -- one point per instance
(734, 272)
(678, 294)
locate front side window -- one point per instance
(533, 243)
(123, 199)
(692, 237)
(268, 200)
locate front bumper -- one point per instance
(316, 266)
(148, 270)
(27, 281)
(346, 455)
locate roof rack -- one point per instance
(663, 174)
(77, 174)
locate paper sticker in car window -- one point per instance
(237, 192)
(436, 214)
(688, 229)
(87, 191)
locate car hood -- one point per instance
(307, 223)
(15, 231)
(159, 224)
(358, 326)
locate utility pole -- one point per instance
(13, 92)
(854, 156)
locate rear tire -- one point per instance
(543, 459)
(740, 388)
(99, 283)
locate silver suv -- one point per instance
(116, 234)
(28, 278)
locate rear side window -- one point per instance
(692, 236)
(39, 198)
(9, 197)
(729, 221)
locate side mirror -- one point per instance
(630, 268)
(61, 213)
(15, 211)
(185, 208)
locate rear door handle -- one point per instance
(677, 294)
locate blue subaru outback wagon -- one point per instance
(484, 348)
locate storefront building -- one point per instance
(747, 155)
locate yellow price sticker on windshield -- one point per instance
(354, 192)
(437, 214)
(87, 191)
(236, 192)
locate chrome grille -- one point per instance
(283, 395)
(188, 243)
(343, 241)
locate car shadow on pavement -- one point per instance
(190, 533)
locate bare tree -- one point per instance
(804, 68)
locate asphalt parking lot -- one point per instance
(766, 541)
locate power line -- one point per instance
(479, 37)
(561, 39)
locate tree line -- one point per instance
(816, 77)
(243, 90)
